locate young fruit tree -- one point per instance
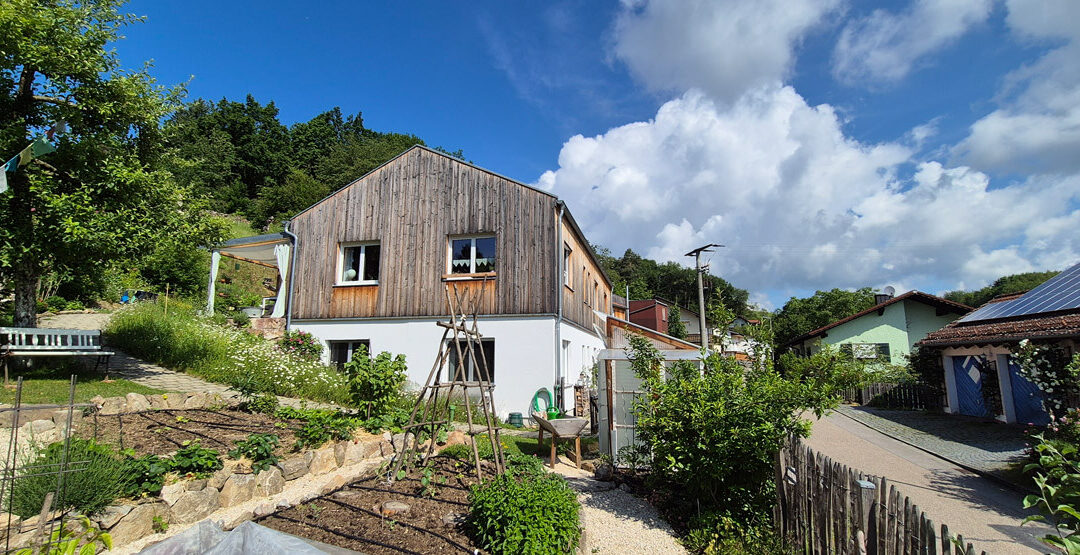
(99, 196)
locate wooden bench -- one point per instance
(41, 342)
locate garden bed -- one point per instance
(354, 516)
(163, 431)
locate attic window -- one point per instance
(472, 255)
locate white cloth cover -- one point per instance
(282, 253)
(215, 259)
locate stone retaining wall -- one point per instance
(295, 479)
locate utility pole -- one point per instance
(696, 253)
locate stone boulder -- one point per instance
(157, 402)
(113, 405)
(237, 489)
(110, 515)
(136, 402)
(137, 524)
(194, 506)
(295, 467)
(323, 460)
(171, 493)
(269, 482)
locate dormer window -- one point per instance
(472, 255)
(358, 264)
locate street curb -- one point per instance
(989, 476)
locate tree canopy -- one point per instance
(102, 196)
(1004, 285)
(799, 316)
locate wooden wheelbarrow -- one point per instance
(560, 428)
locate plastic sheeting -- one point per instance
(247, 539)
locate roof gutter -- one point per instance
(292, 273)
(558, 300)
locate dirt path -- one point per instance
(616, 521)
(987, 514)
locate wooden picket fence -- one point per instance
(894, 396)
(825, 507)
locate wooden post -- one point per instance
(866, 502)
(577, 450)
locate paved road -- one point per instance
(987, 514)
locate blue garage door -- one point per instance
(969, 385)
(1027, 398)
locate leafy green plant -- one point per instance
(160, 524)
(524, 513)
(146, 474)
(1057, 476)
(259, 448)
(263, 403)
(300, 343)
(56, 303)
(66, 541)
(87, 487)
(323, 426)
(375, 384)
(196, 460)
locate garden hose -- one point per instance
(541, 394)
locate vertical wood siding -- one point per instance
(578, 305)
(411, 206)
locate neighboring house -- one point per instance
(620, 308)
(371, 261)
(650, 313)
(977, 349)
(885, 332)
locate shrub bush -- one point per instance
(524, 513)
(710, 437)
(323, 426)
(91, 485)
(1057, 475)
(56, 303)
(302, 344)
(375, 384)
(263, 403)
(187, 342)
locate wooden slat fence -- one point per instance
(824, 507)
(894, 396)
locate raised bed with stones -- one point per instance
(158, 425)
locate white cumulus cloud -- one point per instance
(723, 47)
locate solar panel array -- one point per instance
(1061, 292)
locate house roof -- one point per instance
(651, 333)
(919, 296)
(569, 217)
(1005, 331)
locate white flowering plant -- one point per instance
(1051, 371)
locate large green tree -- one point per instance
(1014, 283)
(799, 316)
(102, 195)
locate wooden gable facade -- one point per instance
(412, 207)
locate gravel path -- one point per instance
(616, 521)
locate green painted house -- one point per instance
(886, 331)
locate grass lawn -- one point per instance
(49, 385)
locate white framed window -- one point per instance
(342, 351)
(566, 266)
(358, 264)
(485, 348)
(472, 255)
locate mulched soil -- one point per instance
(350, 517)
(161, 432)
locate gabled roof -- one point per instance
(569, 217)
(919, 296)
(1038, 327)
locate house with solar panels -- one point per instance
(981, 377)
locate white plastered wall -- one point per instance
(584, 347)
(524, 350)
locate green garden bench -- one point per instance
(41, 342)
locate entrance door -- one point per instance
(969, 385)
(1027, 398)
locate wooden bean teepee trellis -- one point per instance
(461, 334)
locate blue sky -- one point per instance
(928, 145)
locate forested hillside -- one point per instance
(1002, 286)
(241, 157)
(648, 279)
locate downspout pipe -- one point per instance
(292, 273)
(559, 271)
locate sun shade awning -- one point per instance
(258, 249)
